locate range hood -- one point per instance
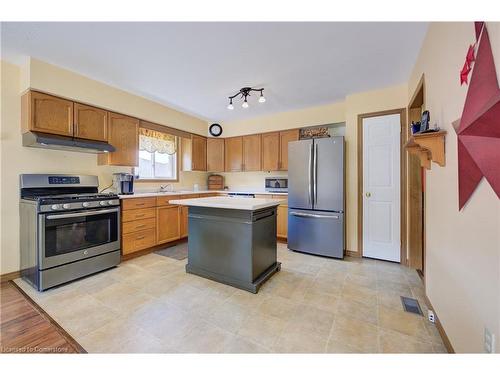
(59, 142)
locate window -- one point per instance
(157, 155)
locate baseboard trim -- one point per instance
(10, 276)
(354, 254)
(152, 249)
(439, 326)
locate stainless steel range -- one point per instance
(68, 230)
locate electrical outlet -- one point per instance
(489, 341)
(430, 316)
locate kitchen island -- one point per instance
(232, 240)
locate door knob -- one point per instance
(368, 194)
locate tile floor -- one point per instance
(315, 304)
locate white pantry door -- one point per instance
(381, 188)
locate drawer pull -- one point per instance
(141, 226)
(140, 204)
(141, 215)
(140, 238)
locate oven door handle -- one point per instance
(80, 214)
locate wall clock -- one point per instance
(215, 130)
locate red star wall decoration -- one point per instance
(478, 129)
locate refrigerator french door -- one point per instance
(316, 196)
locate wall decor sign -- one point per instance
(321, 132)
(478, 130)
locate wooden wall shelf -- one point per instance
(428, 146)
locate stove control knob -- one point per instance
(55, 206)
(111, 202)
(66, 206)
(86, 204)
(103, 203)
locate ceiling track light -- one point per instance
(244, 93)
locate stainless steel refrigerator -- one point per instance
(316, 196)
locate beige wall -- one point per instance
(346, 111)
(326, 114)
(62, 82)
(462, 248)
(16, 159)
(372, 101)
(320, 115)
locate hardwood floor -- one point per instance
(26, 328)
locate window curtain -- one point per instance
(155, 141)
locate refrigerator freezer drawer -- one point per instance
(316, 232)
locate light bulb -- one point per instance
(245, 104)
(262, 99)
(230, 106)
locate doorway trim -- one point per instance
(403, 185)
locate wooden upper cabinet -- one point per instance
(194, 153)
(90, 122)
(47, 114)
(215, 154)
(123, 134)
(252, 153)
(285, 137)
(233, 154)
(270, 151)
(199, 153)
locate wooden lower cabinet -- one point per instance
(167, 224)
(183, 221)
(282, 217)
(148, 222)
(282, 222)
(137, 225)
(139, 214)
(140, 240)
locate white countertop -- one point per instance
(188, 192)
(250, 204)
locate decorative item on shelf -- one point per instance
(424, 122)
(245, 93)
(423, 126)
(215, 130)
(478, 130)
(215, 182)
(415, 127)
(320, 132)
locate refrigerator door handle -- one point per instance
(310, 174)
(315, 170)
(301, 214)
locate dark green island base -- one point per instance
(234, 247)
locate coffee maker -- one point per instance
(123, 183)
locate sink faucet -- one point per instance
(167, 187)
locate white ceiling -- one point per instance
(194, 67)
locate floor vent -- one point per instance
(411, 305)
